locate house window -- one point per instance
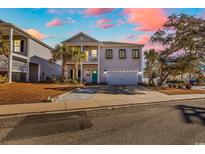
(18, 45)
(108, 54)
(94, 54)
(135, 53)
(122, 53)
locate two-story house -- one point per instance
(28, 59)
(113, 63)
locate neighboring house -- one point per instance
(113, 63)
(29, 59)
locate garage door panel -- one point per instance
(122, 78)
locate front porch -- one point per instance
(87, 73)
(15, 64)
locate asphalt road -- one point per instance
(167, 123)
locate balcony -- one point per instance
(16, 66)
(91, 59)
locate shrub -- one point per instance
(73, 81)
(170, 85)
(179, 86)
(3, 79)
(188, 86)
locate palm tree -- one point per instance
(63, 53)
(4, 47)
(78, 57)
(151, 69)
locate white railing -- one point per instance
(16, 65)
(3, 65)
(20, 66)
(91, 59)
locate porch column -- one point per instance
(81, 66)
(10, 56)
(98, 63)
(28, 60)
(39, 72)
(81, 72)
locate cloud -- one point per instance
(54, 23)
(104, 23)
(35, 33)
(120, 22)
(97, 11)
(130, 37)
(139, 39)
(143, 39)
(63, 11)
(146, 19)
(59, 22)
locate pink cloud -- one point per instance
(146, 19)
(97, 11)
(104, 23)
(143, 39)
(54, 23)
(59, 22)
(35, 33)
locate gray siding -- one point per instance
(40, 54)
(116, 63)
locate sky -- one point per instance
(53, 26)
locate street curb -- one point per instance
(97, 108)
(56, 98)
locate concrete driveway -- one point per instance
(108, 89)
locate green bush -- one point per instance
(73, 81)
(3, 79)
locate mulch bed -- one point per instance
(174, 91)
(21, 93)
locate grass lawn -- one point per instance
(174, 91)
(18, 93)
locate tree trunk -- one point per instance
(76, 71)
(162, 79)
(152, 82)
(63, 70)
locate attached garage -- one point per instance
(122, 77)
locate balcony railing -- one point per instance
(91, 59)
(16, 65)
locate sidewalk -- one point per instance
(98, 101)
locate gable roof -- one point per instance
(112, 43)
(121, 43)
(77, 35)
(25, 33)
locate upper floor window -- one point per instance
(94, 53)
(135, 53)
(108, 54)
(18, 45)
(122, 53)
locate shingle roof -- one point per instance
(120, 43)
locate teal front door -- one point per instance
(94, 76)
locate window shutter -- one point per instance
(22, 45)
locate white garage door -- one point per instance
(122, 77)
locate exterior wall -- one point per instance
(39, 54)
(116, 63)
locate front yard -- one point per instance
(19, 93)
(175, 91)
